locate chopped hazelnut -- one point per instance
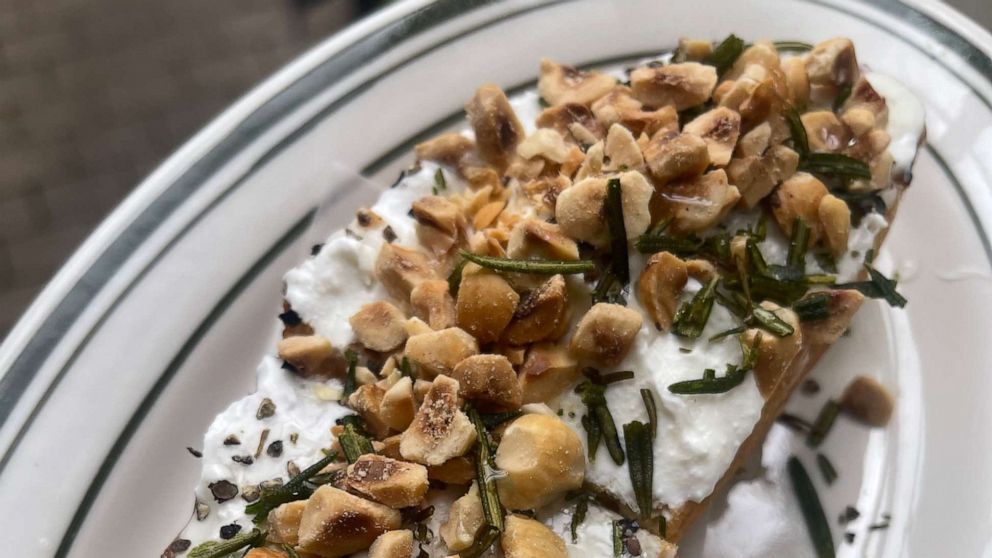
(696, 205)
(547, 372)
(659, 287)
(680, 85)
(367, 402)
(465, 517)
(547, 143)
(310, 355)
(432, 302)
(719, 128)
(774, 353)
(694, 50)
(485, 305)
(799, 196)
(561, 118)
(841, 307)
(539, 314)
(379, 326)
(393, 544)
(621, 149)
(401, 269)
(487, 214)
(835, 220)
(606, 333)
(824, 131)
(676, 156)
(440, 430)
(398, 405)
(541, 458)
(489, 382)
(528, 538)
(284, 523)
(393, 483)
(833, 63)
(868, 401)
(456, 471)
(447, 149)
(580, 208)
(797, 80)
(497, 129)
(755, 142)
(560, 84)
(335, 523)
(437, 352)
(532, 238)
(620, 107)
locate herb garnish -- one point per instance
(350, 382)
(691, 317)
(824, 422)
(578, 516)
(842, 97)
(809, 503)
(296, 489)
(455, 279)
(439, 182)
(792, 46)
(354, 443)
(711, 384)
(800, 141)
(619, 259)
(594, 434)
(725, 54)
(594, 397)
(597, 377)
(652, 408)
(485, 477)
(834, 164)
(640, 463)
(214, 549)
(492, 420)
(827, 468)
(617, 538)
(537, 267)
(406, 369)
(770, 321)
(877, 286)
(812, 308)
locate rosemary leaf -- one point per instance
(353, 443)
(485, 474)
(619, 259)
(578, 516)
(798, 245)
(406, 369)
(216, 549)
(662, 527)
(594, 434)
(823, 423)
(800, 141)
(809, 503)
(770, 321)
(826, 468)
(812, 308)
(293, 490)
(594, 397)
(725, 54)
(609, 289)
(617, 538)
(350, 382)
(492, 420)
(640, 463)
(728, 332)
(596, 377)
(834, 165)
(797, 46)
(537, 267)
(678, 245)
(484, 539)
(455, 279)
(733, 378)
(439, 182)
(877, 286)
(652, 408)
(691, 317)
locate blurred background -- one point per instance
(95, 93)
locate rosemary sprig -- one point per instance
(809, 503)
(812, 308)
(492, 420)
(353, 443)
(609, 289)
(594, 397)
(619, 259)
(216, 549)
(877, 286)
(649, 243)
(640, 463)
(662, 527)
(594, 434)
(725, 54)
(295, 489)
(485, 476)
(484, 539)
(823, 424)
(439, 182)
(792, 46)
(455, 279)
(578, 516)
(597, 377)
(652, 409)
(691, 317)
(770, 321)
(800, 141)
(826, 468)
(711, 384)
(834, 165)
(536, 267)
(617, 538)
(727, 332)
(798, 245)
(350, 382)
(406, 369)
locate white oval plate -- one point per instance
(157, 322)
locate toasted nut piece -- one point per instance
(547, 143)
(620, 107)
(265, 553)
(284, 523)
(398, 405)
(841, 307)
(447, 148)
(799, 196)
(367, 402)
(394, 544)
(432, 302)
(440, 213)
(676, 156)
(756, 177)
(393, 483)
(781, 162)
(487, 214)
(497, 129)
(697, 205)
(532, 238)
(694, 50)
(659, 287)
(539, 313)
(489, 382)
(437, 352)
(621, 149)
(868, 401)
(774, 353)
(681, 85)
(335, 523)
(761, 53)
(753, 95)
(580, 208)
(440, 430)
(825, 131)
(420, 389)
(455, 471)
(465, 517)
(755, 142)
(881, 169)
(562, 118)
(528, 538)
(605, 334)
(835, 219)
(367, 218)
(592, 165)
(878, 141)
(700, 270)
(560, 84)
(547, 372)
(401, 269)
(859, 119)
(719, 128)
(485, 305)
(310, 355)
(797, 80)
(379, 326)
(416, 326)
(542, 459)
(833, 63)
